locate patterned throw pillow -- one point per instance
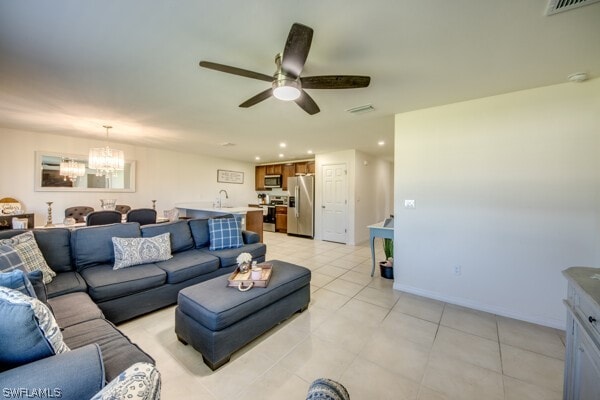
(140, 381)
(28, 331)
(17, 280)
(225, 233)
(136, 251)
(10, 259)
(30, 253)
(327, 389)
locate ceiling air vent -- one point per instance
(361, 109)
(556, 6)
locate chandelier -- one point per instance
(106, 161)
(72, 169)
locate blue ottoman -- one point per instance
(218, 320)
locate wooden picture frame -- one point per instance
(226, 176)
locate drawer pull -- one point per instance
(591, 319)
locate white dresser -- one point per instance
(582, 360)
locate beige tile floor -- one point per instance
(378, 342)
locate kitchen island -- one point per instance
(251, 218)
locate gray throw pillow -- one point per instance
(136, 251)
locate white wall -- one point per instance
(374, 193)
(166, 176)
(369, 187)
(508, 187)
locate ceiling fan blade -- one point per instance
(307, 103)
(258, 98)
(335, 82)
(236, 71)
(296, 49)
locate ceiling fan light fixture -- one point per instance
(286, 89)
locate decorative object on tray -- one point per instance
(154, 204)
(245, 281)
(243, 262)
(49, 220)
(9, 206)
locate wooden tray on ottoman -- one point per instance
(241, 281)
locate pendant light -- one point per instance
(106, 161)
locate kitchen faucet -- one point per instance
(220, 200)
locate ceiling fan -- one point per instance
(286, 83)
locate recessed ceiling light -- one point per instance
(282, 145)
(309, 151)
(381, 143)
(257, 158)
(281, 155)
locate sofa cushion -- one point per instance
(118, 353)
(228, 256)
(17, 280)
(181, 235)
(66, 282)
(56, 247)
(36, 278)
(140, 381)
(137, 251)
(199, 229)
(28, 331)
(92, 245)
(74, 308)
(30, 253)
(104, 283)
(187, 265)
(225, 233)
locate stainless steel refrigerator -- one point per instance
(301, 206)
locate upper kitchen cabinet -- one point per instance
(260, 177)
(302, 168)
(289, 170)
(310, 166)
(275, 169)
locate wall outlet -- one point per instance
(409, 204)
(457, 270)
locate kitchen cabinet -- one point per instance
(302, 168)
(582, 359)
(310, 166)
(274, 169)
(260, 173)
(289, 170)
(254, 222)
(281, 219)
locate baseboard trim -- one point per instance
(551, 322)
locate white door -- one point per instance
(334, 207)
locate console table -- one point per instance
(383, 229)
(582, 359)
(6, 220)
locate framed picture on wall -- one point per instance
(225, 176)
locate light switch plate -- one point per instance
(409, 204)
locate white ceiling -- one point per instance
(70, 66)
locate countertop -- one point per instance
(228, 210)
(588, 279)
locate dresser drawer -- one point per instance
(586, 308)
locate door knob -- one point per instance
(591, 319)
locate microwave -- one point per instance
(272, 181)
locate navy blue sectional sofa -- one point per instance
(88, 296)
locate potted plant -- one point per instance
(386, 268)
